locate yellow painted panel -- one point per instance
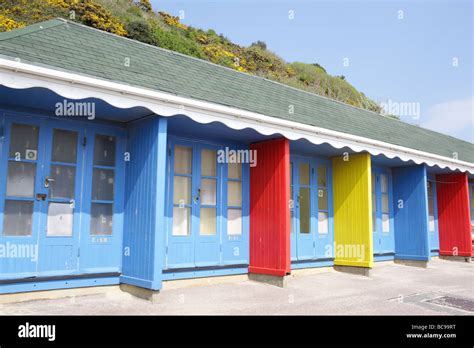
(352, 210)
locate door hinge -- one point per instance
(84, 141)
(166, 250)
(78, 252)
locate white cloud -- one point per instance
(454, 118)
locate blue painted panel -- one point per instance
(205, 273)
(58, 284)
(144, 226)
(411, 213)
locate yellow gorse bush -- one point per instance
(172, 21)
(7, 24)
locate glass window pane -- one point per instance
(181, 221)
(101, 218)
(234, 171)
(208, 162)
(429, 187)
(64, 182)
(431, 223)
(64, 146)
(323, 223)
(234, 193)
(208, 191)
(234, 222)
(322, 176)
(430, 206)
(60, 216)
(104, 150)
(21, 179)
(304, 174)
(385, 205)
(103, 185)
(385, 223)
(291, 173)
(183, 159)
(322, 199)
(182, 190)
(207, 222)
(17, 219)
(304, 210)
(384, 183)
(24, 141)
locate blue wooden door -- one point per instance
(194, 201)
(235, 205)
(293, 208)
(21, 165)
(305, 226)
(382, 219)
(310, 209)
(41, 205)
(432, 215)
(59, 198)
(208, 218)
(103, 188)
(324, 236)
(60, 185)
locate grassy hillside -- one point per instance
(137, 20)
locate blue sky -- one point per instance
(398, 51)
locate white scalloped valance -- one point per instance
(14, 74)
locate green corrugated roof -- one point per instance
(76, 48)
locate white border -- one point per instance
(15, 74)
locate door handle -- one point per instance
(47, 180)
(196, 199)
(41, 196)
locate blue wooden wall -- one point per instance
(144, 225)
(411, 220)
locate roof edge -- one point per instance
(33, 28)
(20, 75)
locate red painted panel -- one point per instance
(269, 208)
(454, 220)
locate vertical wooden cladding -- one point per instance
(410, 213)
(453, 214)
(352, 211)
(143, 230)
(269, 208)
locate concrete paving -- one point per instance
(390, 289)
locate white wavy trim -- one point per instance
(14, 74)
